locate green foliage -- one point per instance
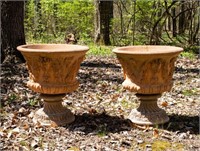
(102, 131)
(100, 50)
(137, 22)
(49, 21)
(12, 97)
(190, 92)
(189, 55)
(193, 49)
(161, 145)
(32, 102)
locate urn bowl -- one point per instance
(147, 69)
(53, 67)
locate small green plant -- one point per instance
(189, 55)
(23, 143)
(12, 97)
(127, 104)
(32, 102)
(102, 131)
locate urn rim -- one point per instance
(147, 49)
(51, 48)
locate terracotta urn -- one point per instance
(148, 72)
(52, 73)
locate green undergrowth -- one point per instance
(100, 50)
(190, 92)
(189, 55)
(161, 145)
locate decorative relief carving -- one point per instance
(147, 75)
(148, 71)
(53, 74)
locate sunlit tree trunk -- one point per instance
(103, 17)
(38, 19)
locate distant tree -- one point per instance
(12, 28)
(103, 17)
(182, 20)
(174, 21)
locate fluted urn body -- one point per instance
(148, 72)
(52, 72)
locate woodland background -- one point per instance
(94, 23)
(130, 22)
(100, 104)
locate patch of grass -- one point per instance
(100, 50)
(177, 146)
(190, 92)
(159, 145)
(189, 55)
(24, 143)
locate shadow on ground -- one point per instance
(189, 70)
(181, 123)
(99, 123)
(99, 64)
(103, 124)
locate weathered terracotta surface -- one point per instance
(53, 111)
(148, 112)
(53, 67)
(148, 70)
(52, 72)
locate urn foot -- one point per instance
(148, 112)
(53, 111)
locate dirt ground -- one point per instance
(101, 107)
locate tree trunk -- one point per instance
(174, 28)
(158, 21)
(182, 18)
(103, 16)
(12, 28)
(169, 23)
(133, 22)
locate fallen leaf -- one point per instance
(25, 126)
(92, 111)
(155, 133)
(53, 125)
(74, 148)
(164, 104)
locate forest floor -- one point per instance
(101, 107)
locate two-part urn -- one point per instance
(52, 73)
(53, 68)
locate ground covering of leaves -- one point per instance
(101, 107)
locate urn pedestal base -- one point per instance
(148, 112)
(53, 111)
